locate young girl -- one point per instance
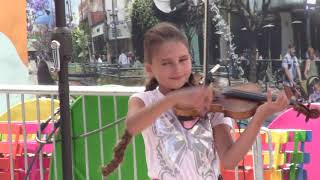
(172, 151)
(315, 96)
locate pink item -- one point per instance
(18, 150)
(289, 120)
(32, 128)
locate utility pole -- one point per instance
(104, 20)
(63, 35)
(115, 21)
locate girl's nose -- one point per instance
(177, 67)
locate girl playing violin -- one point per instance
(172, 151)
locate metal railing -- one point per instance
(97, 114)
(118, 72)
(82, 94)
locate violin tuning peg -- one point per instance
(298, 114)
(307, 119)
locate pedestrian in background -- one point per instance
(310, 68)
(291, 71)
(131, 57)
(123, 60)
(43, 74)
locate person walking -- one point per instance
(291, 71)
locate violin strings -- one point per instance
(251, 95)
(246, 93)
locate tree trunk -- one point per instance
(252, 56)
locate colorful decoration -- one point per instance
(288, 120)
(283, 160)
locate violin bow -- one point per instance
(205, 42)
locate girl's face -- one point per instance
(171, 65)
(317, 87)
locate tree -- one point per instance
(142, 18)
(42, 45)
(144, 15)
(80, 45)
(36, 9)
(252, 14)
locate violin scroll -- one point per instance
(306, 110)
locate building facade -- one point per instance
(118, 27)
(109, 24)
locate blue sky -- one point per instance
(75, 5)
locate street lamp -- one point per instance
(310, 5)
(269, 65)
(269, 26)
(243, 29)
(296, 23)
(114, 14)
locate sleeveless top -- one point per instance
(175, 153)
(313, 71)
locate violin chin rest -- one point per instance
(185, 118)
(182, 111)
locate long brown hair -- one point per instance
(157, 35)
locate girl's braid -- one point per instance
(118, 154)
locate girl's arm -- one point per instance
(306, 69)
(230, 153)
(140, 117)
(299, 73)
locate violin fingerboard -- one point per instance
(245, 95)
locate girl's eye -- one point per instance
(183, 60)
(165, 63)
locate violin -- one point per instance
(241, 102)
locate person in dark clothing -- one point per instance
(43, 74)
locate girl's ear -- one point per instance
(148, 69)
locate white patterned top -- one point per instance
(175, 153)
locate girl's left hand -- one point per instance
(270, 107)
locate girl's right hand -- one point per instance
(198, 98)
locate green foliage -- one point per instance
(142, 18)
(42, 43)
(144, 14)
(80, 46)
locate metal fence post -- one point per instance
(63, 35)
(119, 72)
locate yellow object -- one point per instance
(279, 159)
(31, 113)
(273, 174)
(279, 136)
